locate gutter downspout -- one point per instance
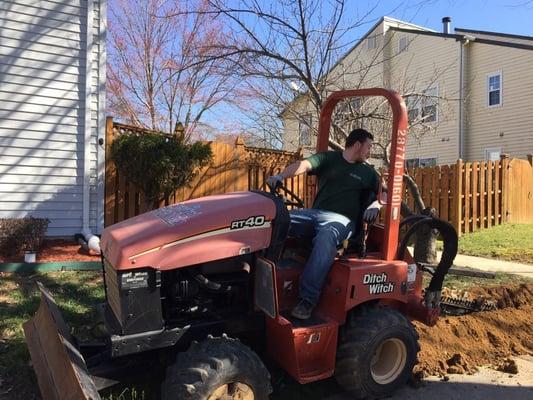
(92, 241)
(462, 73)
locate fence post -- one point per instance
(458, 190)
(506, 193)
(110, 175)
(240, 167)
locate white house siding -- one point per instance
(42, 112)
(508, 127)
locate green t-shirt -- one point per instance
(342, 185)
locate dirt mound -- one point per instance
(460, 344)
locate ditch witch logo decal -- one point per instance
(378, 283)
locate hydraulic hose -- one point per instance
(209, 284)
(450, 240)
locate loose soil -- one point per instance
(57, 250)
(459, 344)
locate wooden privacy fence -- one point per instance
(234, 168)
(470, 195)
(477, 195)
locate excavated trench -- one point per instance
(461, 343)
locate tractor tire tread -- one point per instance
(357, 335)
(211, 363)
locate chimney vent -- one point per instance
(446, 25)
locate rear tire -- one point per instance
(217, 369)
(376, 353)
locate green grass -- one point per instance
(512, 242)
(76, 294)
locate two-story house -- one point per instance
(470, 90)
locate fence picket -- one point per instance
(482, 195)
(468, 198)
(475, 196)
(497, 203)
(490, 194)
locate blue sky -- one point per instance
(504, 16)
(507, 16)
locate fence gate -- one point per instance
(520, 203)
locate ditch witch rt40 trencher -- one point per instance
(187, 285)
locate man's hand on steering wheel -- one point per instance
(274, 181)
(275, 184)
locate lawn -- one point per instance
(512, 242)
(76, 294)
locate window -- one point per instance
(403, 44)
(423, 108)
(429, 104)
(493, 154)
(428, 162)
(411, 163)
(349, 107)
(355, 105)
(421, 162)
(412, 108)
(371, 42)
(305, 130)
(494, 90)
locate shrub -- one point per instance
(158, 164)
(22, 234)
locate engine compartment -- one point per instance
(207, 291)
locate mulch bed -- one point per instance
(56, 250)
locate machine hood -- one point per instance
(191, 232)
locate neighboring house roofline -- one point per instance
(380, 20)
(507, 35)
(463, 37)
(428, 33)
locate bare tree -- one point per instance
(150, 43)
(282, 45)
(303, 46)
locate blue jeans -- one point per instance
(327, 230)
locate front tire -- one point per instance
(376, 353)
(217, 369)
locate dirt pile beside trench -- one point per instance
(460, 344)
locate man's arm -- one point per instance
(296, 168)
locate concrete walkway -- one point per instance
(490, 264)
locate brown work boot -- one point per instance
(302, 310)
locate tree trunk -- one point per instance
(426, 238)
(426, 241)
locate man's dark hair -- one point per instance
(358, 135)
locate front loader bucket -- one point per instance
(60, 368)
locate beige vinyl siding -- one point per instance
(509, 126)
(42, 112)
(430, 61)
(434, 61)
(361, 67)
(291, 125)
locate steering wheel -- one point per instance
(282, 192)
